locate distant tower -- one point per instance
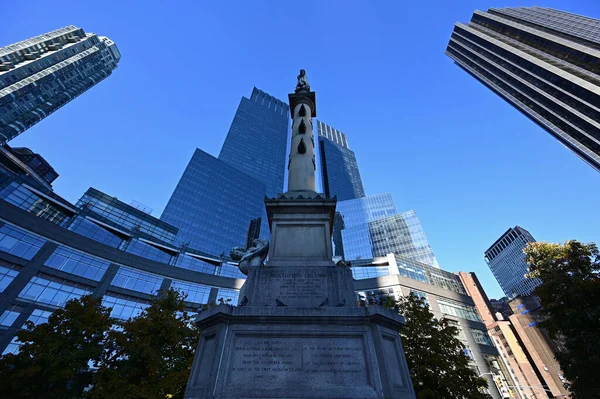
(41, 74)
(339, 169)
(506, 260)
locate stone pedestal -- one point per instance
(318, 353)
(298, 331)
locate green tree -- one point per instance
(151, 355)
(54, 360)
(570, 296)
(439, 368)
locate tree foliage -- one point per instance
(54, 360)
(151, 355)
(83, 352)
(438, 366)
(570, 296)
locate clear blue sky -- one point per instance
(422, 129)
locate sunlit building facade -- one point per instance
(41, 74)
(395, 276)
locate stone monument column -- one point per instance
(298, 331)
(302, 166)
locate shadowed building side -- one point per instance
(339, 170)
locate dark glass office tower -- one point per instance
(216, 199)
(544, 62)
(339, 170)
(257, 140)
(213, 205)
(41, 74)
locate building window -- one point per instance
(89, 229)
(19, 242)
(8, 318)
(123, 308)
(13, 347)
(421, 295)
(233, 271)
(147, 251)
(481, 337)
(7, 275)
(228, 296)
(361, 273)
(196, 293)
(188, 262)
(52, 291)
(75, 262)
(39, 316)
(136, 280)
(458, 309)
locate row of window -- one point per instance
(18, 242)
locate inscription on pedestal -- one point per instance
(300, 285)
(273, 361)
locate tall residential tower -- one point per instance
(544, 62)
(41, 74)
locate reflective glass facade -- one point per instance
(404, 236)
(351, 227)
(371, 227)
(78, 263)
(19, 242)
(506, 260)
(137, 280)
(124, 217)
(339, 171)
(213, 205)
(256, 143)
(7, 275)
(52, 290)
(544, 62)
(41, 74)
(123, 307)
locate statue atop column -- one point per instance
(302, 82)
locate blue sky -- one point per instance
(439, 141)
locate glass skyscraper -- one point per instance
(506, 260)
(41, 74)
(213, 205)
(403, 235)
(371, 227)
(257, 140)
(339, 170)
(544, 62)
(216, 199)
